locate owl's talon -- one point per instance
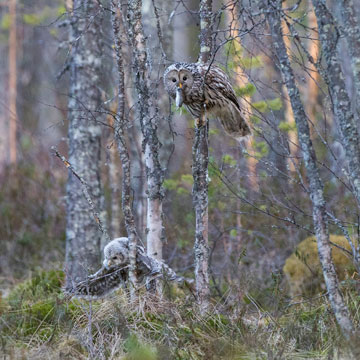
(200, 122)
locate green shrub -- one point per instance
(34, 306)
(303, 270)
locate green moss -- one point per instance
(41, 286)
(35, 306)
(136, 350)
(303, 270)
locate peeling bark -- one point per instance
(341, 102)
(82, 236)
(273, 14)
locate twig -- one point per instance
(85, 190)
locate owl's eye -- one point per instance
(173, 80)
(184, 78)
(114, 257)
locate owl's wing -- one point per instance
(155, 268)
(219, 82)
(99, 284)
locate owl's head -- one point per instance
(178, 81)
(116, 252)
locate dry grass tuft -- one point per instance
(154, 328)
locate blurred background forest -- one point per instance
(259, 204)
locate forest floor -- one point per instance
(37, 321)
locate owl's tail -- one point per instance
(233, 122)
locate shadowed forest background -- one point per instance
(59, 89)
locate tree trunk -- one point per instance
(149, 119)
(121, 124)
(83, 238)
(200, 172)
(273, 14)
(341, 103)
(352, 31)
(312, 84)
(288, 113)
(12, 83)
(242, 80)
(114, 180)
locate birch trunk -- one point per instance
(83, 238)
(341, 102)
(149, 122)
(200, 173)
(121, 124)
(273, 14)
(12, 83)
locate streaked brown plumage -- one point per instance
(115, 271)
(203, 88)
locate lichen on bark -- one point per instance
(200, 153)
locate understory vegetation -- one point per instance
(39, 322)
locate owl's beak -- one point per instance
(179, 96)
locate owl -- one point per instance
(206, 90)
(115, 271)
(116, 252)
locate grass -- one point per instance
(38, 322)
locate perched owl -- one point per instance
(202, 87)
(115, 271)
